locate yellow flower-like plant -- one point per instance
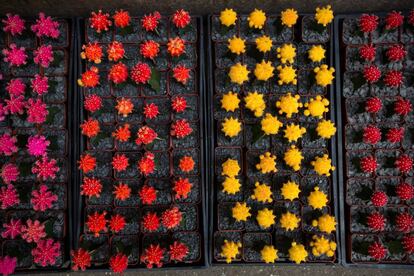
(230, 168)
(316, 53)
(270, 124)
(286, 53)
(323, 165)
(257, 19)
(289, 104)
(230, 102)
(294, 132)
(231, 185)
(326, 129)
(322, 246)
(290, 190)
(267, 163)
(317, 199)
(289, 17)
(230, 250)
(236, 45)
(316, 107)
(239, 73)
(293, 158)
(324, 75)
(265, 218)
(255, 103)
(264, 70)
(231, 127)
(324, 15)
(263, 44)
(325, 223)
(228, 17)
(287, 75)
(269, 254)
(262, 193)
(297, 253)
(289, 221)
(241, 212)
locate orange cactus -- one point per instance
(115, 51)
(122, 134)
(176, 46)
(92, 52)
(124, 107)
(90, 78)
(186, 164)
(90, 128)
(87, 163)
(122, 192)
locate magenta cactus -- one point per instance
(42, 199)
(7, 265)
(15, 56)
(37, 145)
(45, 168)
(9, 173)
(16, 87)
(36, 111)
(15, 105)
(8, 196)
(45, 26)
(3, 112)
(40, 84)
(8, 144)
(46, 252)
(13, 24)
(33, 231)
(43, 55)
(12, 229)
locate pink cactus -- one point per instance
(3, 112)
(15, 56)
(42, 199)
(13, 24)
(40, 84)
(45, 26)
(12, 229)
(46, 252)
(7, 265)
(8, 144)
(43, 55)
(9, 173)
(8, 196)
(33, 231)
(36, 111)
(16, 87)
(45, 168)
(15, 105)
(37, 145)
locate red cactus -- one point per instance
(377, 251)
(182, 187)
(8, 144)
(181, 128)
(148, 194)
(115, 51)
(376, 221)
(368, 22)
(9, 173)
(393, 20)
(181, 18)
(117, 223)
(379, 199)
(405, 191)
(92, 52)
(171, 218)
(404, 163)
(178, 251)
(92, 103)
(46, 252)
(404, 222)
(396, 52)
(89, 78)
(87, 163)
(12, 229)
(16, 87)
(43, 55)
(120, 162)
(410, 18)
(8, 196)
(367, 52)
(81, 259)
(122, 134)
(13, 24)
(122, 192)
(393, 78)
(96, 223)
(372, 73)
(36, 111)
(118, 263)
(141, 73)
(42, 199)
(45, 26)
(40, 84)
(149, 49)
(176, 46)
(179, 104)
(45, 168)
(15, 105)
(186, 164)
(150, 222)
(395, 135)
(121, 18)
(408, 243)
(372, 135)
(402, 106)
(33, 231)
(145, 135)
(151, 111)
(91, 187)
(100, 21)
(118, 73)
(90, 127)
(181, 74)
(146, 164)
(150, 22)
(368, 164)
(153, 255)
(16, 56)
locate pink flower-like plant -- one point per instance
(42, 199)
(15, 105)
(33, 231)
(36, 111)
(46, 252)
(8, 144)
(45, 26)
(37, 145)
(16, 87)
(9, 173)
(12, 229)
(13, 24)
(43, 55)
(45, 168)
(7, 265)
(40, 84)
(15, 56)
(8, 196)
(3, 112)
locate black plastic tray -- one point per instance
(343, 222)
(81, 142)
(332, 145)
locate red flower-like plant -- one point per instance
(145, 135)
(368, 164)
(87, 163)
(42, 199)
(90, 78)
(393, 78)
(181, 18)
(404, 163)
(8, 144)
(7, 265)
(122, 192)
(146, 164)
(178, 251)
(147, 194)
(405, 191)
(33, 231)
(92, 103)
(396, 53)
(402, 106)
(120, 162)
(8, 196)
(118, 263)
(377, 251)
(379, 199)
(151, 111)
(12, 229)
(149, 49)
(15, 56)
(179, 104)
(410, 18)
(91, 187)
(92, 52)
(117, 223)
(186, 164)
(45, 168)
(376, 221)
(150, 222)
(36, 111)
(368, 23)
(96, 223)
(404, 222)
(124, 107)
(45, 26)
(141, 73)
(372, 73)
(181, 128)
(393, 20)
(121, 18)
(395, 135)
(100, 21)
(9, 173)
(182, 187)
(37, 145)
(3, 112)
(13, 24)
(408, 243)
(171, 218)
(176, 46)
(15, 105)
(150, 22)
(81, 259)
(371, 135)
(90, 127)
(367, 52)
(153, 256)
(181, 74)
(118, 73)
(43, 55)
(46, 252)
(122, 134)
(16, 87)
(40, 84)
(115, 51)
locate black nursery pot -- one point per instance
(356, 187)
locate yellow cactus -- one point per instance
(269, 254)
(230, 250)
(324, 15)
(262, 193)
(289, 17)
(255, 103)
(317, 199)
(228, 17)
(265, 218)
(230, 168)
(263, 44)
(231, 127)
(257, 19)
(287, 75)
(267, 163)
(322, 165)
(316, 53)
(324, 75)
(316, 107)
(325, 223)
(264, 70)
(241, 212)
(322, 246)
(297, 253)
(289, 104)
(231, 185)
(294, 132)
(236, 45)
(239, 73)
(230, 102)
(293, 158)
(326, 129)
(290, 190)
(270, 124)
(286, 53)
(289, 221)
